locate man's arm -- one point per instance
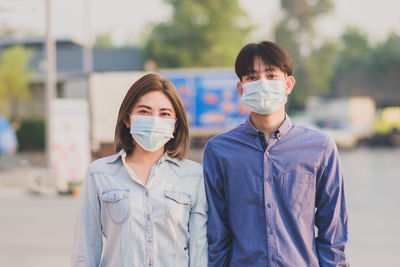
(331, 214)
(218, 232)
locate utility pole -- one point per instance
(51, 77)
(87, 52)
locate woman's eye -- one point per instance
(143, 111)
(165, 114)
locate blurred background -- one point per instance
(65, 67)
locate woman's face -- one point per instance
(154, 104)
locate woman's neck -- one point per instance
(139, 155)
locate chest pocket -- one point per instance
(297, 188)
(178, 206)
(117, 204)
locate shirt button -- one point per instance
(271, 232)
(147, 194)
(269, 179)
(150, 263)
(148, 217)
(269, 205)
(273, 258)
(267, 153)
(149, 240)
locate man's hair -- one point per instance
(177, 147)
(269, 52)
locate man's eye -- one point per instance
(271, 76)
(251, 78)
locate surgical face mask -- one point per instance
(152, 132)
(264, 96)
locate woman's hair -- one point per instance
(269, 52)
(176, 147)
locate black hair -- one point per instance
(269, 52)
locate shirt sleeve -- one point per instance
(331, 214)
(198, 228)
(218, 231)
(88, 243)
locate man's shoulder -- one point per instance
(231, 134)
(312, 134)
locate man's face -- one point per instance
(260, 70)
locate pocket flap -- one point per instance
(115, 194)
(178, 197)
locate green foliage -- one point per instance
(31, 135)
(313, 66)
(103, 40)
(14, 77)
(385, 60)
(201, 33)
(355, 52)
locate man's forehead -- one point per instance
(264, 68)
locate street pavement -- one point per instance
(36, 229)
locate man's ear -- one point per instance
(289, 84)
(239, 87)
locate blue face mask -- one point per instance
(264, 96)
(151, 132)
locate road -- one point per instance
(37, 230)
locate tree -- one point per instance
(296, 33)
(14, 77)
(355, 52)
(386, 58)
(103, 40)
(200, 33)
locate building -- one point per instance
(72, 81)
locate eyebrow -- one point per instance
(166, 109)
(266, 69)
(148, 107)
(143, 106)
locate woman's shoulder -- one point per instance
(108, 163)
(187, 167)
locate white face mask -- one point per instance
(264, 96)
(152, 132)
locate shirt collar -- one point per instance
(285, 127)
(282, 130)
(249, 127)
(163, 158)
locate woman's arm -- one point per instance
(88, 232)
(198, 228)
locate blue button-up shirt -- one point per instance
(266, 198)
(125, 223)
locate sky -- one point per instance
(128, 20)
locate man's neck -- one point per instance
(268, 123)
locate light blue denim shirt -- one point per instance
(125, 223)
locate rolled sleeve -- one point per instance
(88, 244)
(331, 215)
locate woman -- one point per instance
(145, 205)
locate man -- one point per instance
(270, 182)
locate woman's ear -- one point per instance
(239, 87)
(289, 84)
(127, 123)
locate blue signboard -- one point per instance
(210, 97)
